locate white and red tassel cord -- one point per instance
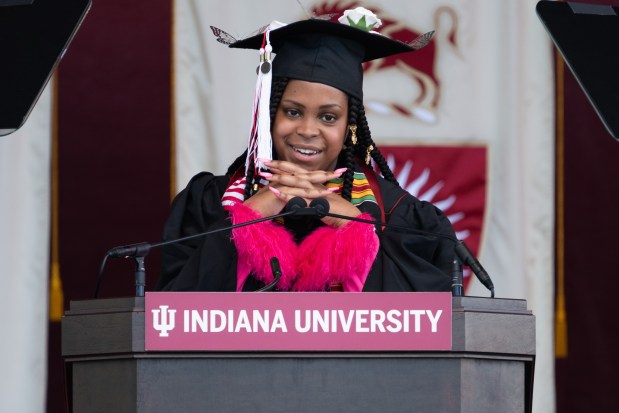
(259, 145)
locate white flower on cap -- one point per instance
(361, 18)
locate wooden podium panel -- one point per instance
(489, 368)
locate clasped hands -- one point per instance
(288, 180)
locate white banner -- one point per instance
(486, 81)
(24, 260)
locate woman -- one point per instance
(322, 148)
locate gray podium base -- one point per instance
(490, 369)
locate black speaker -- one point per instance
(34, 34)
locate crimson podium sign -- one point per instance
(198, 321)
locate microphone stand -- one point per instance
(463, 254)
(277, 274)
(319, 207)
(140, 276)
(456, 278)
(140, 250)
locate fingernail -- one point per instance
(333, 189)
(266, 175)
(340, 170)
(275, 191)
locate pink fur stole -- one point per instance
(327, 256)
(258, 243)
(337, 255)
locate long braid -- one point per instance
(348, 154)
(365, 141)
(277, 91)
(249, 182)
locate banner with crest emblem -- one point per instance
(466, 122)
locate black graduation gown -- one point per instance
(406, 261)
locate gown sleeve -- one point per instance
(417, 256)
(206, 263)
(407, 259)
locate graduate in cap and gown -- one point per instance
(309, 139)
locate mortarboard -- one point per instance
(316, 50)
(328, 52)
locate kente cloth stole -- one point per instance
(361, 190)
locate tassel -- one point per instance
(253, 135)
(560, 328)
(265, 143)
(260, 144)
(56, 296)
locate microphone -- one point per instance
(321, 205)
(277, 274)
(463, 253)
(140, 250)
(468, 258)
(296, 205)
(134, 250)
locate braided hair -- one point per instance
(356, 116)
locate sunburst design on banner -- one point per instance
(453, 178)
(414, 185)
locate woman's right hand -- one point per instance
(265, 202)
(288, 180)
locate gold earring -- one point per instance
(353, 133)
(367, 154)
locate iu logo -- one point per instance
(164, 323)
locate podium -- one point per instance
(489, 368)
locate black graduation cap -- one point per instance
(313, 50)
(328, 52)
